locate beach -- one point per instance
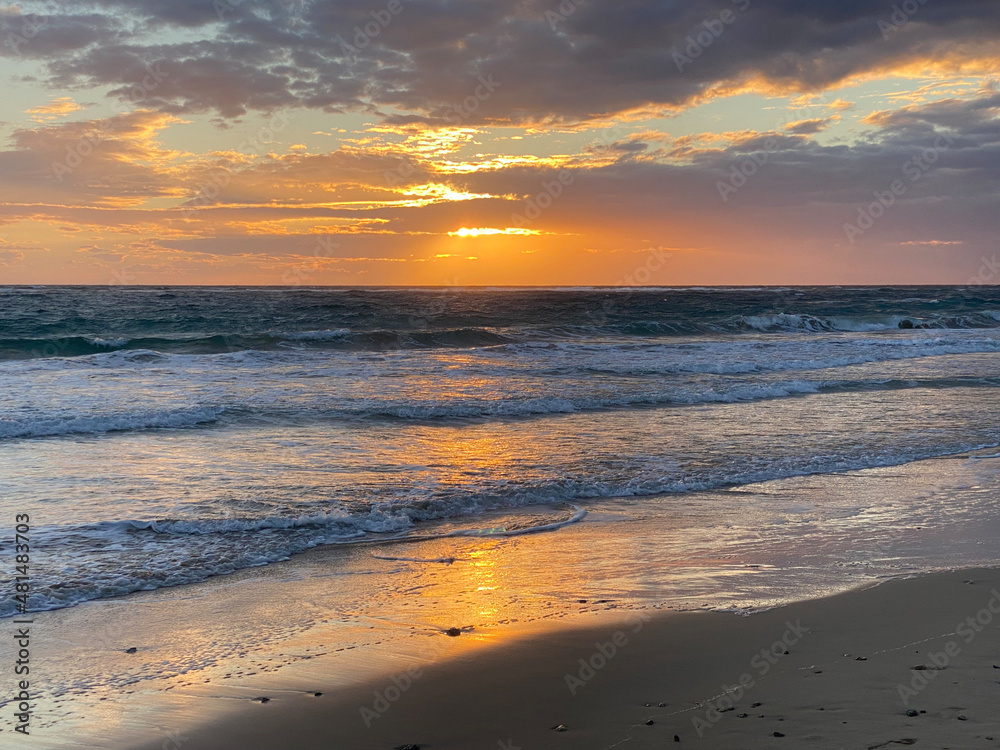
(855, 664)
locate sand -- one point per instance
(638, 680)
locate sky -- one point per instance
(499, 142)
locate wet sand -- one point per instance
(855, 664)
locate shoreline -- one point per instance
(157, 666)
(846, 681)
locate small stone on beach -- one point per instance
(754, 705)
(560, 727)
(677, 738)
(650, 722)
(453, 632)
(778, 734)
(911, 712)
(963, 718)
(131, 650)
(861, 658)
(741, 716)
(262, 700)
(317, 695)
(407, 747)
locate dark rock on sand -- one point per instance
(861, 658)
(741, 716)
(778, 734)
(407, 747)
(131, 650)
(963, 718)
(911, 712)
(677, 738)
(754, 705)
(453, 632)
(560, 727)
(317, 694)
(262, 700)
(650, 722)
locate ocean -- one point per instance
(159, 436)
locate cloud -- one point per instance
(12, 253)
(58, 108)
(809, 127)
(111, 161)
(426, 62)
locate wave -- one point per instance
(223, 546)
(97, 425)
(812, 323)
(409, 338)
(462, 409)
(333, 339)
(173, 552)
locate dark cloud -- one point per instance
(550, 60)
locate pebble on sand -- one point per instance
(453, 632)
(778, 734)
(407, 747)
(650, 722)
(131, 650)
(263, 700)
(560, 727)
(911, 712)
